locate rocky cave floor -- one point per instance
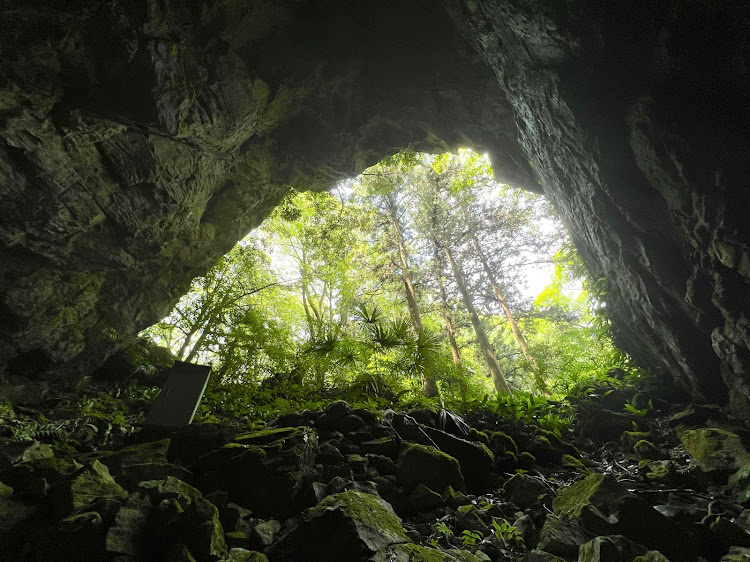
(668, 481)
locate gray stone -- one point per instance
(604, 507)
(612, 548)
(419, 464)
(561, 537)
(126, 535)
(412, 552)
(524, 490)
(361, 523)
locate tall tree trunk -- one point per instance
(517, 335)
(429, 384)
(501, 385)
(446, 307)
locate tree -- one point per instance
(383, 186)
(222, 316)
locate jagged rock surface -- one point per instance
(140, 140)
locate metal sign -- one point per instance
(179, 397)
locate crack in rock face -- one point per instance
(140, 140)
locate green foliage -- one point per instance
(471, 538)
(506, 533)
(313, 304)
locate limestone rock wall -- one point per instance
(636, 115)
(140, 139)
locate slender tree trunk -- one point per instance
(403, 256)
(517, 335)
(501, 385)
(444, 299)
(429, 384)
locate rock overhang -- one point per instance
(140, 140)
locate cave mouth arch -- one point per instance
(299, 286)
(139, 141)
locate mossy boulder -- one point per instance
(382, 446)
(154, 452)
(524, 491)
(647, 450)
(417, 553)
(651, 556)
(542, 556)
(424, 499)
(77, 537)
(470, 518)
(612, 548)
(263, 471)
(715, 449)
(604, 507)
(475, 459)
(455, 499)
(127, 535)
(91, 483)
(12, 451)
(348, 526)
(243, 555)
(198, 527)
(630, 438)
(420, 464)
(599, 424)
(26, 477)
(562, 537)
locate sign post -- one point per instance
(180, 396)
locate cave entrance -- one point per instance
(423, 274)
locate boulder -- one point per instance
(264, 532)
(476, 460)
(651, 556)
(599, 424)
(524, 490)
(12, 452)
(154, 452)
(385, 446)
(384, 465)
(455, 499)
(76, 538)
(329, 454)
(424, 499)
(469, 518)
(24, 391)
(361, 523)
(612, 548)
(84, 487)
(407, 552)
(198, 527)
(604, 507)
(263, 471)
(15, 517)
(562, 537)
(736, 554)
(242, 555)
(127, 534)
(542, 556)
(26, 477)
(420, 464)
(715, 449)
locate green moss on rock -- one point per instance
(426, 465)
(713, 449)
(418, 553)
(572, 501)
